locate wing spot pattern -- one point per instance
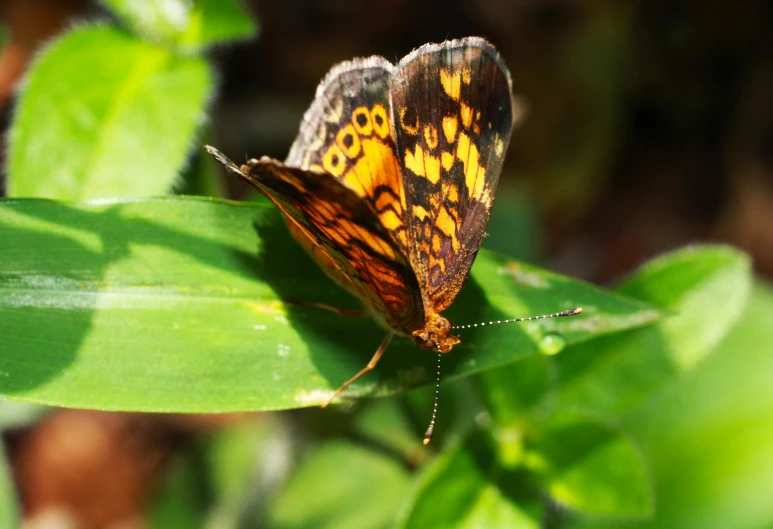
(349, 142)
(361, 121)
(380, 120)
(405, 122)
(451, 84)
(334, 161)
(450, 124)
(474, 173)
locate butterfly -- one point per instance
(391, 179)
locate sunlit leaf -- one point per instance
(343, 486)
(127, 109)
(179, 304)
(702, 290)
(464, 489)
(593, 469)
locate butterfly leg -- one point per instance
(323, 306)
(364, 370)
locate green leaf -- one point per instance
(460, 490)
(159, 20)
(9, 506)
(706, 288)
(179, 501)
(189, 24)
(702, 289)
(512, 391)
(177, 304)
(247, 464)
(593, 469)
(128, 111)
(385, 423)
(709, 437)
(217, 21)
(340, 485)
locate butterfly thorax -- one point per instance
(435, 335)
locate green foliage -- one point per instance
(708, 438)
(179, 304)
(186, 24)
(575, 447)
(341, 485)
(9, 510)
(127, 109)
(591, 468)
(104, 113)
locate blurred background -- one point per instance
(649, 127)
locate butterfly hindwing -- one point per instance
(453, 114)
(345, 236)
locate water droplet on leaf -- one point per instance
(551, 343)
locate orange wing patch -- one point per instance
(347, 133)
(345, 237)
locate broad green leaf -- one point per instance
(703, 291)
(179, 304)
(9, 507)
(341, 485)
(593, 469)
(190, 23)
(463, 488)
(128, 111)
(709, 438)
(706, 288)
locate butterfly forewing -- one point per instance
(452, 110)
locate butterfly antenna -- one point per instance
(431, 427)
(570, 312)
(222, 158)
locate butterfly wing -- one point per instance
(452, 108)
(347, 133)
(345, 236)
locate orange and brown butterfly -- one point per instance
(391, 179)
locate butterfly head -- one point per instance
(435, 335)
